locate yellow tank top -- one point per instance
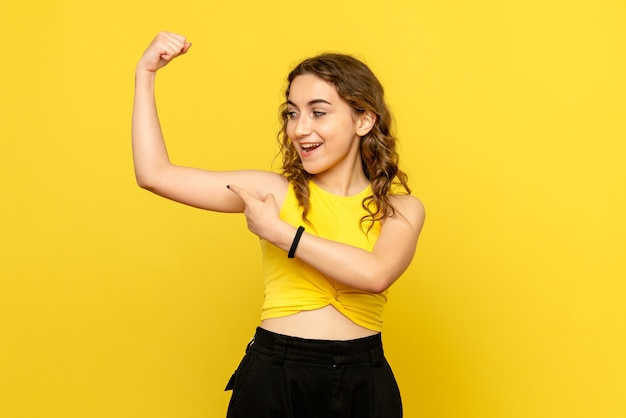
(292, 286)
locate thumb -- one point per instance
(185, 48)
(269, 198)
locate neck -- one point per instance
(344, 184)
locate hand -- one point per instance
(164, 47)
(262, 215)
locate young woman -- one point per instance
(338, 226)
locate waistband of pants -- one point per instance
(283, 347)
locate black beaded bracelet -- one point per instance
(294, 244)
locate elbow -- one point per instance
(375, 289)
(142, 181)
(378, 287)
(151, 177)
(145, 181)
(378, 282)
(148, 176)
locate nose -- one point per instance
(303, 126)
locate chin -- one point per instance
(312, 169)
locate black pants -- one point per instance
(288, 377)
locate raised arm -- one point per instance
(153, 169)
(371, 271)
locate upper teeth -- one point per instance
(310, 146)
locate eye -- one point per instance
(318, 113)
(291, 114)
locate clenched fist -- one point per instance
(164, 47)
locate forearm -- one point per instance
(346, 264)
(372, 271)
(149, 151)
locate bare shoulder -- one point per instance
(407, 203)
(410, 208)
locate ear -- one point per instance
(365, 123)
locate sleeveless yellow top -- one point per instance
(292, 286)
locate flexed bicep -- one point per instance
(206, 189)
(153, 169)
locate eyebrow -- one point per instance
(311, 103)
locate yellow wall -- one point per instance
(115, 303)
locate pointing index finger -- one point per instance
(241, 193)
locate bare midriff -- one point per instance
(326, 323)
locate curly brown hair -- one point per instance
(357, 85)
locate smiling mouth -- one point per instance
(310, 147)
